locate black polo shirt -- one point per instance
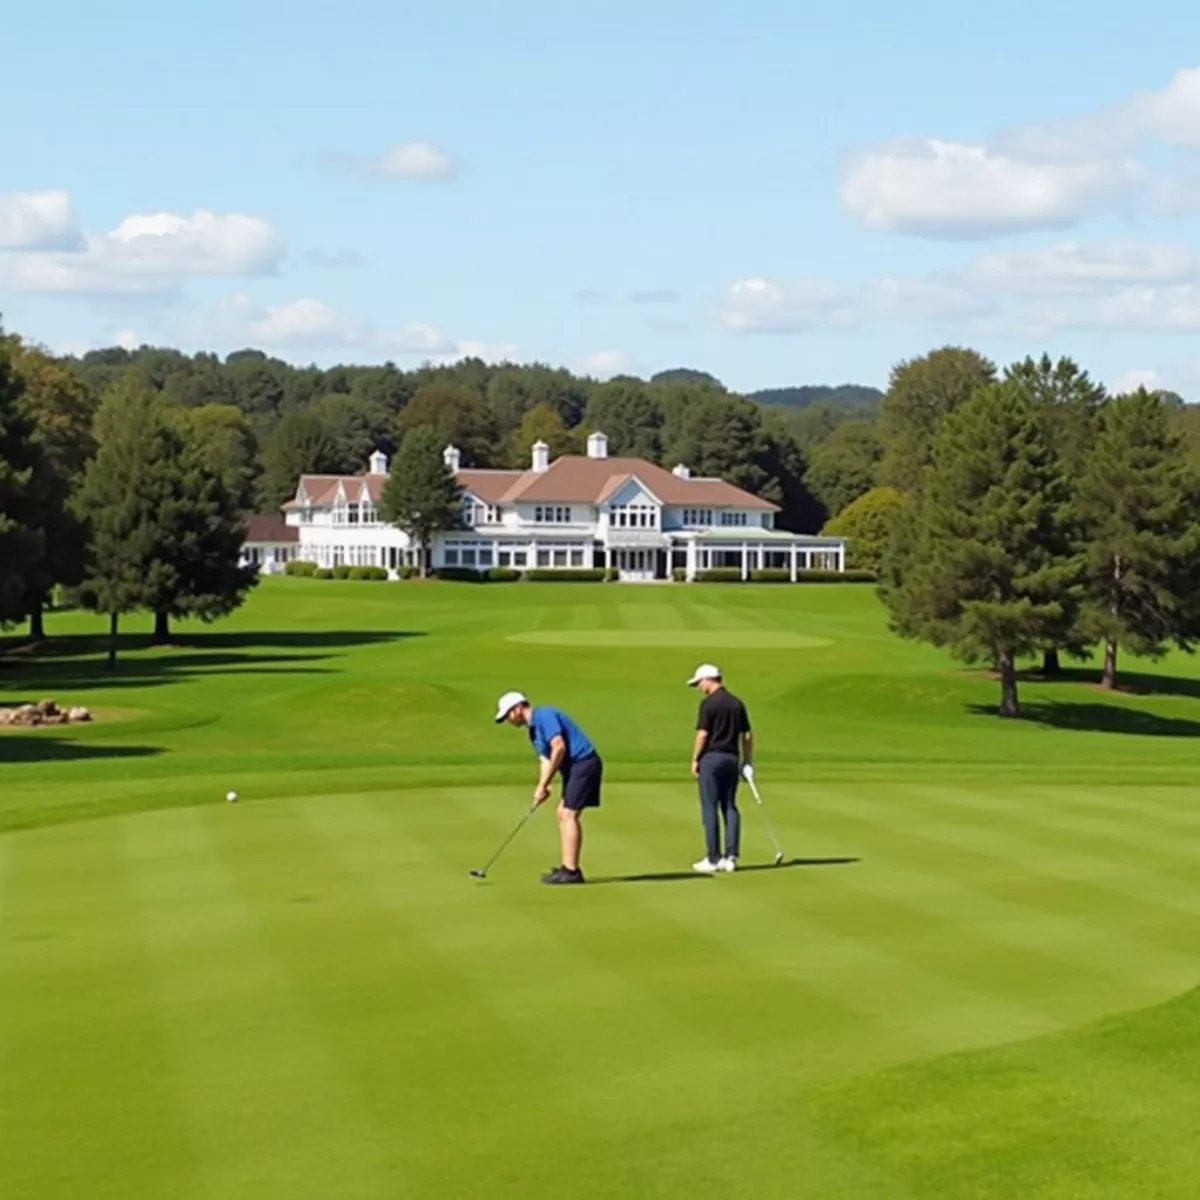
(724, 718)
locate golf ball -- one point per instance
(231, 797)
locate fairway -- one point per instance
(971, 977)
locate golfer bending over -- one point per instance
(723, 723)
(563, 749)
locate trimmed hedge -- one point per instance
(300, 567)
(407, 572)
(458, 574)
(322, 573)
(341, 571)
(720, 575)
(503, 575)
(771, 575)
(566, 575)
(375, 574)
(837, 577)
(774, 575)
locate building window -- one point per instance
(352, 514)
(577, 558)
(505, 558)
(543, 558)
(468, 556)
(697, 517)
(560, 558)
(518, 558)
(734, 518)
(634, 516)
(485, 556)
(450, 556)
(552, 514)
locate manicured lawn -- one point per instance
(969, 980)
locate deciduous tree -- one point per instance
(421, 495)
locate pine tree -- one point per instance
(22, 541)
(421, 495)
(986, 570)
(125, 490)
(1068, 403)
(1139, 514)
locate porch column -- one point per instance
(608, 558)
(793, 562)
(745, 562)
(495, 553)
(533, 549)
(841, 559)
(691, 563)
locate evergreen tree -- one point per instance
(22, 541)
(1067, 402)
(986, 569)
(922, 393)
(300, 445)
(421, 495)
(121, 498)
(1139, 517)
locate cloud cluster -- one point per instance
(1047, 176)
(405, 160)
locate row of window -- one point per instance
(464, 554)
(355, 514)
(697, 516)
(633, 516)
(481, 514)
(553, 514)
(735, 518)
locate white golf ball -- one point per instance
(231, 797)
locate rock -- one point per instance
(47, 708)
(79, 714)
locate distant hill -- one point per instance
(687, 375)
(846, 395)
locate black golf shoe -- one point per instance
(562, 875)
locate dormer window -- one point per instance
(633, 516)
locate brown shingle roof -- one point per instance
(321, 489)
(489, 486)
(269, 527)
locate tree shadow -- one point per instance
(1099, 718)
(1133, 683)
(679, 876)
(77, 661)
(42, 748)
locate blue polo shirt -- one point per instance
(546, 723)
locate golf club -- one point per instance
(482, 873)
(749, 777)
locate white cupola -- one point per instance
(541, 457)
(452, 457)
(377, 464)
(597, 445)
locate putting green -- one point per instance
(673, 639)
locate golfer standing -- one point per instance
(722, 730)
(562, 749)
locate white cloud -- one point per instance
(38, 221)
(126, 339)
(1132, 380)
(756, 305)
(1047, 175)
(1166, 309)
(1071, 266)
(952, 190)
(605, 363)
(152, 253)
(406, 160)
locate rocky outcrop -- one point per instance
(44, 712)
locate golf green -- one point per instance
(970, 978)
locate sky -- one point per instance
(776, 193)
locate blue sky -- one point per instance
(775, 193)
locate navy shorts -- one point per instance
(581, 783)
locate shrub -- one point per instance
(407, 572)
(771, 575)
(459, 574)
(503, 575)
(322, 573)
(679, 574)
(341, 571)
(368, 573)
(867, 525)
(300, 567)
(565, 575)
(720, 575)
(837, 576)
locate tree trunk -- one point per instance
(37, 627)
(113, 619)
(1051, 667)
(1009, 706)
(162, 629)
(1108, 680)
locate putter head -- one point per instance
(778, 857)
(478, 874)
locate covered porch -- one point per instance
(758, 550)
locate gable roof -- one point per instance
(321, 490)
(270, 527)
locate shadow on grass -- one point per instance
(1132, 683)
(679, 876)
(79, 661)
(1099, 718)
(42, 748)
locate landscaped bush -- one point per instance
(679, 574)
(300, 567)
(771, 575)
(720, 575)
(375, 574)
(837, 576)
(459, 574)
(322, 573)
(611, 574)
(341, 571)
(565, 575)
(407, 572)
(503, 575)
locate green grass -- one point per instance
(973, 982)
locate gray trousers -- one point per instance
(718, 803)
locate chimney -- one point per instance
(452, 457)
(682, 472)
(597, 446)
(541, 457)
(377, 464)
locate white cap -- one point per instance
(507, 703)
(704, 671)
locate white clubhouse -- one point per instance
(577, 511)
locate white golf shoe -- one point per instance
(706, 866)
(727, 864)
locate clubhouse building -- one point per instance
(577, 511)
